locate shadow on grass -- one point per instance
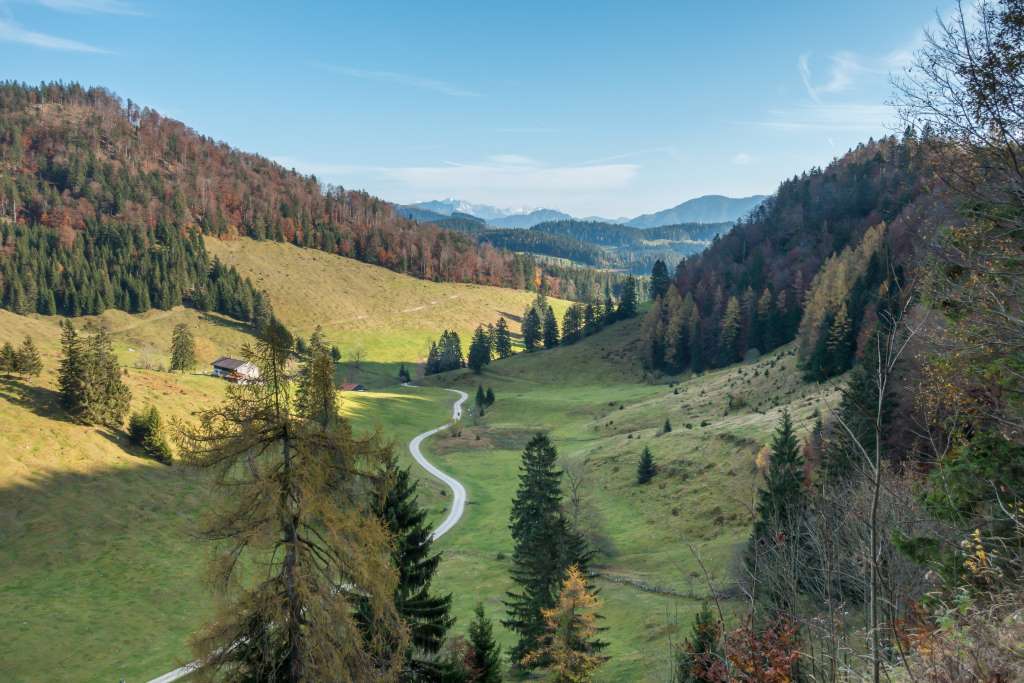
(42, 401)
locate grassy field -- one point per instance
(389, 317)
(99, 556)
(591, 400)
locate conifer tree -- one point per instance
(403, 373)
(489, 397)
(645, 469)
(426, 615)
(531, 330)
(8, 359)
(660, 281)
(183, 349)
(782, 499)
(729, 332)
(609, 306)
(628, 300)
(481, 397)
(502, 339)
(702, 651)
(146, 430)
(479, 350)
(296, 492)
(107, 398)
(550, 332)
(569, 646)
(667, 427)
(484, 658)
(27, 360)
(591, 320)
(545, 545)
(72, 374)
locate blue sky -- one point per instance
(612, 109)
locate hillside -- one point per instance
(588, 398)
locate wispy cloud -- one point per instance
(405, 80)
(11, 32)
(869, 118)
(742, 159)
(843, 69)
(90, 6)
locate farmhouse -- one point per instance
(235, 370)
(352, 387)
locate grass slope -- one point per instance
(591, 399)
(390, 317)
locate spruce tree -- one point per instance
(183, 349)
(660, 281)
(700, 654)
(8, 359)
(667, 427)
(550, 330)
(483, 661)
(502, 339)
(531, 330)
(479, 350)
(27, 360)
(782, 499)
(481, 397)
(628, 300)
(72, 374)
(425, 614)
(107, 398)
(489, 397)
(545, 545)
(645, 469)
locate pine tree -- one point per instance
(489, 397)
(479, 350)
(645, 469)
(295, 493)
(550, 332)
(183, 349)
(27, 360)
(502, 339)
(660, 281)
(531, 330)
(72, 375)
(484, 658)
(569, 646)
(426, 615)
(545, 544)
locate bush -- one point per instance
(145, 430)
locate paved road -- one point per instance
(458, 490)
(454, 515)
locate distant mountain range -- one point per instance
(711, 208)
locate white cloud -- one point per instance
(742, 159)
(513, 159)
(87, 6)
(404, 80)
(845, 66)
(11, 32)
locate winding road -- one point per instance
(454, 515)
(458, 490)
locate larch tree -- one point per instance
(295, 492)
(570, 647)
(183, 349)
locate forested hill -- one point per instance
(82, 172)
(825, 244)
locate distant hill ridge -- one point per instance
(711, 208)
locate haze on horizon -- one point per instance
(611, 111)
